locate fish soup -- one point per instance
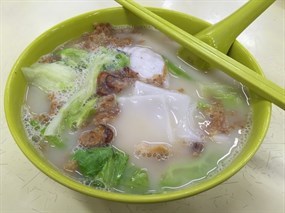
(117, 110)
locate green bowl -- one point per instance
(16, 89)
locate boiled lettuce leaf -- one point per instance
(74, 57)
(228, 95)
(113, 169)
(134, 180)
(75, 118)
(203, 105)
(50, 76)
(173, 69)
(178, 175)
(107, 167)
(55, 141)
(35, 123)
(119, 60)
(82, 103)
(92, 161)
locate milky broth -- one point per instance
(131, 128)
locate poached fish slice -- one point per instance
(148, 64)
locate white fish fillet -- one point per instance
(145, 61)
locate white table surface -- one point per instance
(258, 187)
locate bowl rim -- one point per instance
(113, 196)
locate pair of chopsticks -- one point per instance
(254, 81)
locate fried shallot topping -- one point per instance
(106, 110)
(105, 28)
(216, 115)
(50, 58)
(101, 135)
(157, 80)
(55, 105)
(115, 82)
(158, 151)
(217, 119)
(103, 35)
(43, 118)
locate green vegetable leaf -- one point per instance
(107, 167)
(74, 117)
(134, 180)
(50, 77)
(42, 131)
(74, 57)
(173, 69)
(54, 140)
(202, 105)
(37, 126)
(34, 123)
(79, 106)
(113, 169)
(178, 175)
(226, 94)
(117, 60)
(92, 161)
